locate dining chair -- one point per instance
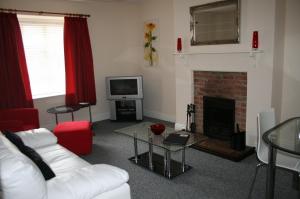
(266, 121)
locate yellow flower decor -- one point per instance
(150, 52)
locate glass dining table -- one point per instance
(285, 137)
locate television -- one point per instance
(126, 87)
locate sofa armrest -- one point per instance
(11, 125)
(29, 117)
(37, 137)
(86, 182)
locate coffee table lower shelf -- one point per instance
(158, 163)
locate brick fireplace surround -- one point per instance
(231, 85)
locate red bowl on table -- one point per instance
(157, 129)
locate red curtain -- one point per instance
(80, 82)
(14, 80)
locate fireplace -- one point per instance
(221, 100)
(218, 117)
(221, 85)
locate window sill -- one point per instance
(50, 95)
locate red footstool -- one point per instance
(75, 136)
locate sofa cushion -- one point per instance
(86, 182)
(61, 160)
(19, 176)
(38, 137)
(15, 139)
(32, 154)
(37, 159)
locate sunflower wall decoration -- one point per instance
(150, 53)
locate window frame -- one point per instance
(40, 21)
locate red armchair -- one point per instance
(19, 119)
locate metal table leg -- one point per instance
(72, 116)
(135, 150)
(183, 160)
(56, 119)
(168, 163)
(271, 173)
(150, 154)
(165, 162)
(160, 164)
(90, 112)
(296, 181)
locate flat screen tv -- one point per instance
(130, 87)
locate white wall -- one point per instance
(278, 57)
(291, 70)
(159, 80)
(255, 15)
(114, 29)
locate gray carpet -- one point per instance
(211, 177)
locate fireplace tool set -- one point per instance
(190, 118)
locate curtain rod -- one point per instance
(43, 12)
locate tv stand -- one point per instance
(126, 109)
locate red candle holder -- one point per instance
(255, 40)
(179, 45)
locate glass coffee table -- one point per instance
(160, 164)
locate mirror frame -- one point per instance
(218, 4)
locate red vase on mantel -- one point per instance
(255, 40)
(179, 45)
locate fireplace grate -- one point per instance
(218, 117)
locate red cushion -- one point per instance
(72, 126)
(75, 136)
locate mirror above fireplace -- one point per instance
(215, 23)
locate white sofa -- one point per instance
(75, 178)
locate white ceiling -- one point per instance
(129, 1)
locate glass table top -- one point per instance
(142, 132)
(285, 136)
(63, 109)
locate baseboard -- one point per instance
(158, 115)
(49, 126)
(179, 126)
(101, 116)
(105, 116)
(96, 118)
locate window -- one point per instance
(44, 51)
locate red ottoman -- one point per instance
(75, 136)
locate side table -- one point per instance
(86, 104)
(63, 109)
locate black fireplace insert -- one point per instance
(218, 117)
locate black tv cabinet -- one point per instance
(126, 109)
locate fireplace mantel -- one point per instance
(249, 57)
(250, 52)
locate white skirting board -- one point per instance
(159, 116)
(179, 126)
